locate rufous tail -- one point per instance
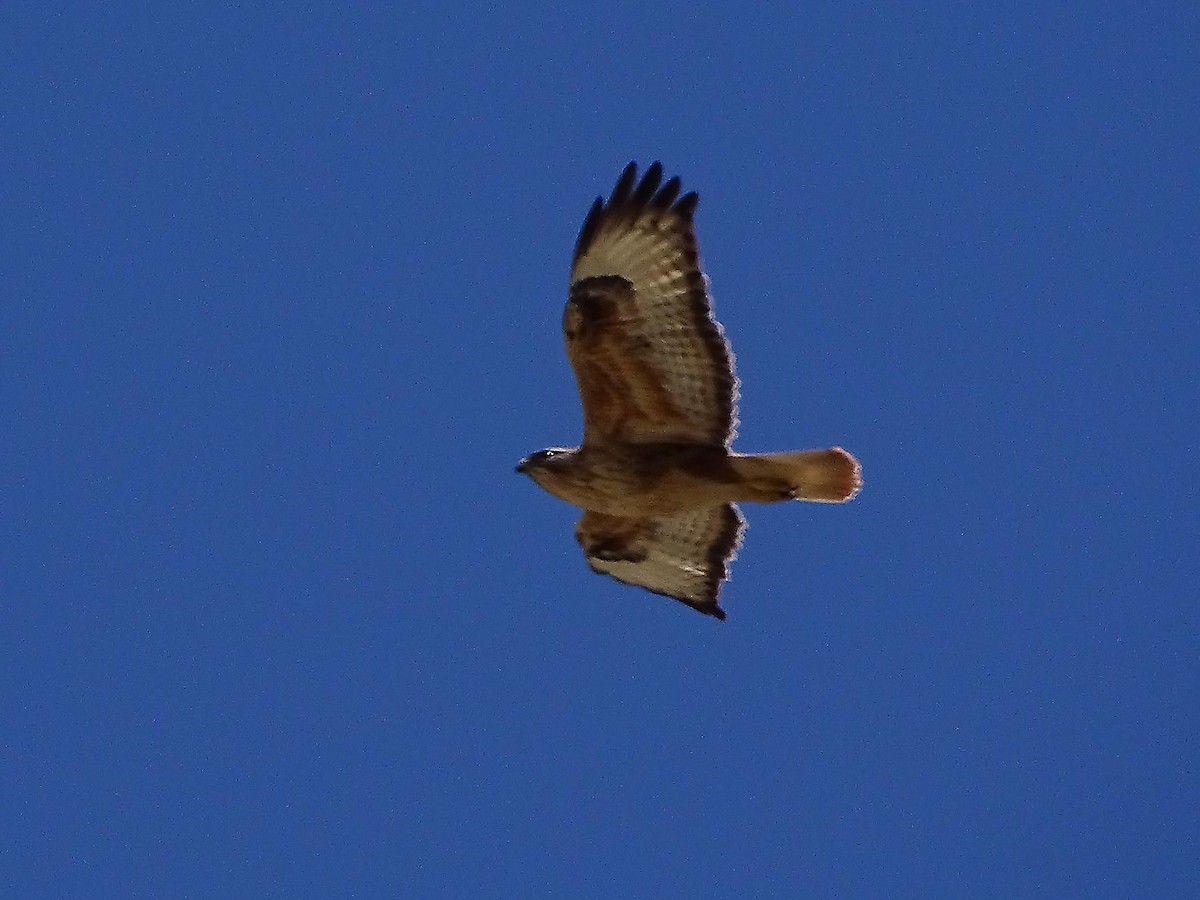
(826, 476)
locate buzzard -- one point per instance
(655, 475)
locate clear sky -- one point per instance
(280, 310)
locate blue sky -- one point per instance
(281, 299)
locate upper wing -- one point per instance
(685, 556)
(652, 363)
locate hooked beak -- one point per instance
(521, 466)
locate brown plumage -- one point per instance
(654, 473)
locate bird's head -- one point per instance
(545, 462)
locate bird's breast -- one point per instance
(645, 480)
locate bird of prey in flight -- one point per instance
(655, 475)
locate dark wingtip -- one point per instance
(631, 196)
(624, 186)
(649, 190)
(709, 608)
(666, 194)
(647, 187)
(686, 206)
(590, 224)
(654, 174)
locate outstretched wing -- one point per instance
(685, 556)
(651, 362)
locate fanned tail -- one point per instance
(824, 476)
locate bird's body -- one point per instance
(665, 479)
(641, 479)
(655, 474)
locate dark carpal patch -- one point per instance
(616, 548)
(593, 302)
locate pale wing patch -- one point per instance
(665, 330)
(685, 556)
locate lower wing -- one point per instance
(685, 556)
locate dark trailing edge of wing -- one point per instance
(630, 198)
(707, 607)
